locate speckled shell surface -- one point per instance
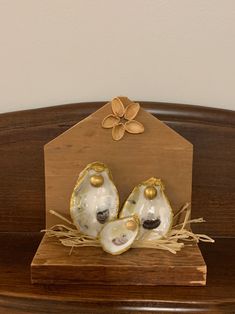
(92, 206)
(155, 215)
(117, 236)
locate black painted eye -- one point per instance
(120, 240)
(132, 202)
(151, 224)
(102, 216)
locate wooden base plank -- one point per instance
(52, 264)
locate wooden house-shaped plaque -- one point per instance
(159, 152)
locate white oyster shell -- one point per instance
(92, 206)
(155, 214)
(117, 236)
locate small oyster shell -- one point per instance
(94, 200)
(117, 236)
(149, 202)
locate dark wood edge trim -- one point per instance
(21, 302)
(165, 111)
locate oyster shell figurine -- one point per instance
(117, 236)
(152, 207)
(94, 200)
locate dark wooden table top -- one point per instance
(18, 295)
(22, 216)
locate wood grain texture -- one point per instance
(18, 295)
(52, 264)
(158, 152)
(23, 134)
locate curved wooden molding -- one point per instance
(164, 111)
(22, 136)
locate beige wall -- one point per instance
(62, 51)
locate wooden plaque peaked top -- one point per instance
(158, 152)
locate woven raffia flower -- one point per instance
(122, 118)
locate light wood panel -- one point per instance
(158, 152)
(23, 134)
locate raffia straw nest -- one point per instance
(177, 238)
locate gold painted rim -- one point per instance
(153, 181)
(101, 167)
(136, 219)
